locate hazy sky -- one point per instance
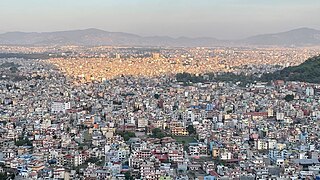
(195, 18)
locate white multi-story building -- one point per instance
(279, 116)
(60, 107)
(78, 160)
(142, 123)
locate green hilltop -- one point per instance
(309, 71)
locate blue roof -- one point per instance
(125, 167)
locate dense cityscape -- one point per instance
(120, 113)
(159, 90)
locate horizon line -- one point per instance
(177, 37)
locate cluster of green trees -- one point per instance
(212, 77)
(23, 141)
(127, 176)
(157, 133)
(187, 77)
(5, 176)
(9, 65)
(191, 129)
(25, 56)
(289, 97)
(127, 135)
(156, 96)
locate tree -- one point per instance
(3, 122)
(23, 142)
(7, 175)
(92, 160)
(128, 176)
(14, 69)
(3, 176)
(157, 133)
(191, 129)
(180, 171)
(157, 96)
(127, 135)
(289, 97)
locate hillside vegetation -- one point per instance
(309, 71)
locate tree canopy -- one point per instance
(289, 97)
(157, 133)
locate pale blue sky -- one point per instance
(215, 18)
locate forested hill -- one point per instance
(309, 71)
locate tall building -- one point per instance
(155, 55)
(310, 91)
(270, 112)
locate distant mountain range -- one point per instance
(296, 37)
(92, 37)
